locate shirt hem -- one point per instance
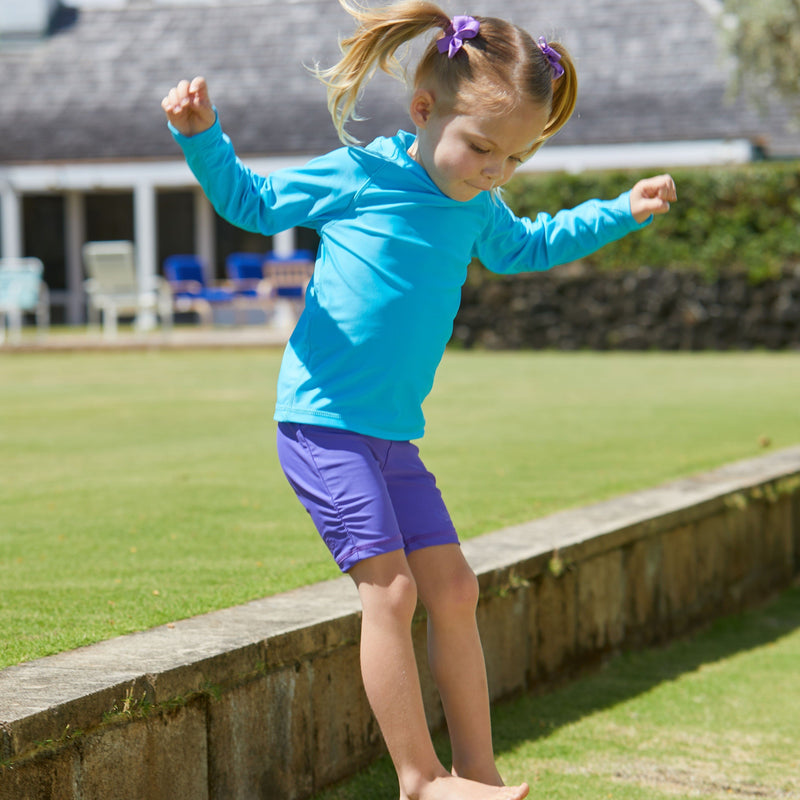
(328, 419)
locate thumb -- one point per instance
(200, 101)
(655, 205)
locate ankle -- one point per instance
(480, 771)
(415, 784)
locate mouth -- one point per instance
(476, 188)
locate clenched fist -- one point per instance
(189, 108)
(652, 196)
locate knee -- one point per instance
(401, 596)
(393, 600)
(457, 594)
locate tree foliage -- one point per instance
(764, 38)
(739, 218)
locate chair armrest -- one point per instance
(187, 287)
(265, 287)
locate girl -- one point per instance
(399, 221)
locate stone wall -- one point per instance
(573, 307)
(264, 701)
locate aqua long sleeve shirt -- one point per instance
(393, 257)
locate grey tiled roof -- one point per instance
(649, 71)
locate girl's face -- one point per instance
(466, 154)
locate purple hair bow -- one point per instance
(460, 28)
(552, 57)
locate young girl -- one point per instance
(399, 221)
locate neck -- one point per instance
(413, 150)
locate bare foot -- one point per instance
(452, 788)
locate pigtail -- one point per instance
(380, 32)
(565, 95)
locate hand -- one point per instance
(652, 196)
(189, 108)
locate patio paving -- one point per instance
(180, 338)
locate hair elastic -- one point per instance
(552, 57)
(460, 28)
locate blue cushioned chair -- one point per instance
(245, 273)
(190, 291)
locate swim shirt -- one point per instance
(393, 256)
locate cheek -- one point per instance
(457, 162)
(446, 165)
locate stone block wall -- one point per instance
(572, 308)
(264, 701)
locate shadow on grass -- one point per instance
(632, 673)
(537, 715)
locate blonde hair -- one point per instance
(496, 71)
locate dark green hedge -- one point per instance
(743, 218)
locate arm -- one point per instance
(511, 244)
(263, 204)
(225, 181)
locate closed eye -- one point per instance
(485, 151)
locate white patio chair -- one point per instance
(22, 291)
(113, 289)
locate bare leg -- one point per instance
(388, 597)
(448, 589)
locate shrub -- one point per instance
(742, 218)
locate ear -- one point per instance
(421, 107)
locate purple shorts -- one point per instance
(367, 496)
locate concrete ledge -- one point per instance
(264, 700)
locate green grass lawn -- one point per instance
(138, 488)
(714, 716)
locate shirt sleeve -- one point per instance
(308, 196)
(512, 244)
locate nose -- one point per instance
(493, 168)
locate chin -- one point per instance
(465, 193)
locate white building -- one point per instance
(85, 153)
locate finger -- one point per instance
(657, 205)
(174, 99)
(182, 90)
(168, 103)
(172, 116)
(666, 188)
(199, 89)
(180, 98)
(184, 96)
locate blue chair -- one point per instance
(190, 292)
(22, 291)
(245, 273)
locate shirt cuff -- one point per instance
(197, 141)
(624, 204)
